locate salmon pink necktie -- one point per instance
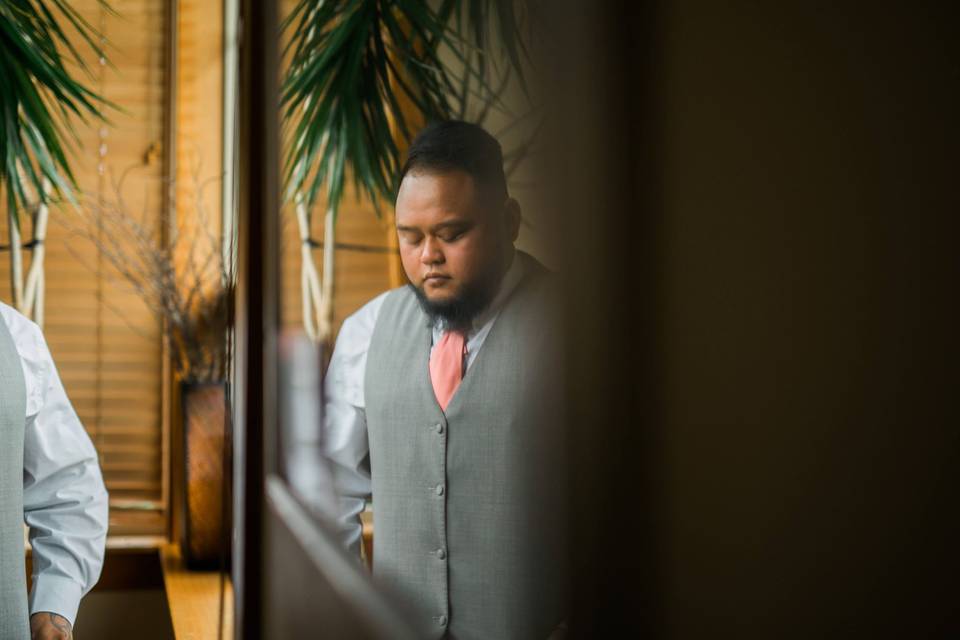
(446, 366)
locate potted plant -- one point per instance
(182, 277)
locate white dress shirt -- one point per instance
(64, 499)
(345, 425)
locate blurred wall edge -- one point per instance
(757, 207)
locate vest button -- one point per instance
(439, 489)
(438, 427)
(441, 554)
(442, 620)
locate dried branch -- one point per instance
(181, 280)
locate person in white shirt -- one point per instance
(440, 404)
(64, 500)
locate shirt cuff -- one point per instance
(56, 594)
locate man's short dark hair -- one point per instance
(456, 145)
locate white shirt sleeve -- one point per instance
(344, 440)
(64, 498)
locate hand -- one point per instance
(49, 626)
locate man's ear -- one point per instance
(512, 215)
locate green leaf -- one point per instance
(39, 97)
(353, 62)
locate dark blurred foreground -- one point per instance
(758, 206)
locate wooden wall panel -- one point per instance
(199, 117)
(198, 140)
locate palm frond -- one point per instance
(39, 97)
(353, 63)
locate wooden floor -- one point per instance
(195, 599)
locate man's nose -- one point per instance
(431, 253)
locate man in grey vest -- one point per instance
(441, 404)
(50, 479)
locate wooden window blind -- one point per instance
(106, 343)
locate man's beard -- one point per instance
(459, 312)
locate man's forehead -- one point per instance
(425, 183)
(448, 222)
(439, 195)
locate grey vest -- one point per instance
(464, 533)
(13, 585)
